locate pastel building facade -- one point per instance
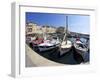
(32, 28)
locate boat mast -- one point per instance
(45, 37)
(66, 30)
(66, 27)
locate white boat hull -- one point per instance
(46, 48)
(64, 50)
(48, 45)
(65, 47)
(81, 50)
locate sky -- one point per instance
(76, 23)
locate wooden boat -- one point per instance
(80, 46)
(48, 44)
(65, 44)
(81, 49)
(65, 47)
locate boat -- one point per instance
(81, 48)
(65, 44)
(65, 47)
(48, 44)
(35, 42)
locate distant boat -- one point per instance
(35, 42)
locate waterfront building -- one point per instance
(32, 28)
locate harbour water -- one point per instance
(71, 57)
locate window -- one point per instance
(29, 29)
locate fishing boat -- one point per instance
(48, 44)
(80, 48)
(65, 47)
(35, 42)
(65, 44)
